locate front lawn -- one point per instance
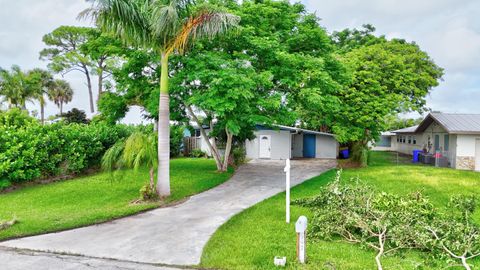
(252, 238)
(98, 198)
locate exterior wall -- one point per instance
(465, 152)
(407, 148)
(393, 145)
(326, 147)
(280, 144)
(297, 145)
(204, 145)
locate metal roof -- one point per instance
(411, 129)
(455, 123)
(303, 130)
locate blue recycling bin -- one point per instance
(345, 153)
(416, 154)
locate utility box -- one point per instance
(301, 230)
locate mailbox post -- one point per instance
(287, 188)
(301, 230)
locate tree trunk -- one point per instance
(42, 112)
(464, 263)
(100, 84)
(90, 93)
(152, 181)
(163, 174)
(213, 149)
(377, 260)
(61, 108)
(227, 150)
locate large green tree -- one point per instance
(164, 26)
(82, 49)
(388, 78)
(227, 92)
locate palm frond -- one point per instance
(206, 23)
(125, 19)
(112, 158)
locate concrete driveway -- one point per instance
(176, 235)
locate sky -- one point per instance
(448, 30)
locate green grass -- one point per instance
(252, 238)
(98, 198)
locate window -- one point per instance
(446, 142)
(404, 138)
(385, 141)
(197, 133)
(414, 140)
(409, 139)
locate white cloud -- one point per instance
(448, 30)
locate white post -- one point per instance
(287, 185)
(301, 230)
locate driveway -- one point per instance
(176, 235)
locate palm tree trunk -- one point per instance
(61, 108)
(163, 174)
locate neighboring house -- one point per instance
(282, 142)
(386, 143)
(454, 136)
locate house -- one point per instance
(282, 142)
(455, 137)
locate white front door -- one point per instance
(265, 145)
(477, 155)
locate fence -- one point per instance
(190, 143)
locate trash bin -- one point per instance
(345, 153)
(416, 153)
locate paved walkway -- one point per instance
(11, 259)
(176, 235)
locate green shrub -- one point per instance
(176, 140)
(197, 153)
(16, 118)
(5, 184)
(29, 151)
(239, 155)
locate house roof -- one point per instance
(411, 129)
(454, 123)
(295, 129)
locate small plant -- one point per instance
(136, 151)
(148, 193)
(198, 153)
(239, 155)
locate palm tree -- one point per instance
(41, 81)
(136, 151)
(165, 26)
(13, 87)
(60, 93)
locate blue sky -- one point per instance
(448, 30)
